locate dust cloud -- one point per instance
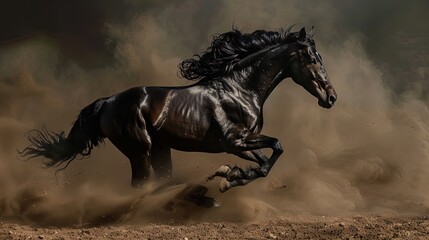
(369, 153)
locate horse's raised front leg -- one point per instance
(252, 155)
(250, 142)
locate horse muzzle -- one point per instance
(327, 96)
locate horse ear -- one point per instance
(311, 33)
(302, 34)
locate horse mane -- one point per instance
(227, 49)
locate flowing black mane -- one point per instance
(228, 48)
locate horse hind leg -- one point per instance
(161, 162)
(140, 170)
(139, 155)
(162, 166)
(135, 144)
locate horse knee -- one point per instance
(263, 172)
(278, 147)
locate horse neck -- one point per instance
(266, 71)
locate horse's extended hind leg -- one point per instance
(161, 161)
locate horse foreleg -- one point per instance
(253, 155)
(254, 141)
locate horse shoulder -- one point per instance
(239, 112)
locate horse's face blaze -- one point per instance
(309, 72)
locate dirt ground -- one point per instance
(297, 227)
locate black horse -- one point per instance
(222, 112)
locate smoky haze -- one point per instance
(367, 154)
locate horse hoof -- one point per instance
(235, 173)
(224, 185)
(223, 170)
(216, 203)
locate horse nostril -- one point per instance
(332, 99)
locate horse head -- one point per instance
(308, 71)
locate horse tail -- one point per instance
(58, 149)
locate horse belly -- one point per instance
(191, 145)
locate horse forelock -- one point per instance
(228, 48)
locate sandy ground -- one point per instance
(297, 227)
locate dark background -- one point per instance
(394, 33)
